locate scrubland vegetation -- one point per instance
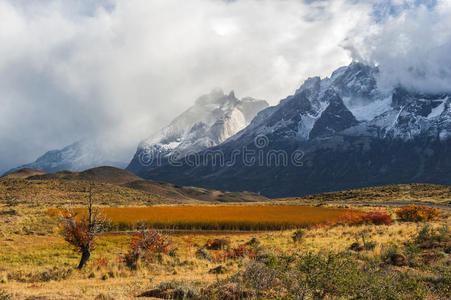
(400, 193)
(350, 253)
(256, 217)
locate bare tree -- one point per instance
(82, 231)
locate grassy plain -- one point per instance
(397, 194)
(36, 263)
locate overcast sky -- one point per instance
(122, 69)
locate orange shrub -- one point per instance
(144, 245)
(217, 244)
(353, 217)
(242, 251)
(101, 262)
(235, 252)
(220, 255)
(413, 213)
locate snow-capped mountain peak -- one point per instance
(349, 133)
(212, 119)
(79, 156)
(349, 102)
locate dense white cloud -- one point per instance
(122, 69)
(411, 47)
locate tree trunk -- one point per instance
(84, 258)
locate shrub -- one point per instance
(253, 242)
(221, 255)
(226, 291)
(428, 238)
(145, 245)
(377, 218)
(327, 274)
(259, 276)
(355, 247)
(413, 213)
(169, 285)
(101, 262)
(330, 276)
(203, 254)
(359, 217)
(217, 244)
(380, 283)
(242, 251)
(394, 256)
(236, 252)
(298, 235)
(218, 270)
(178, 290)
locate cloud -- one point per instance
(411, 47)
(121, 70)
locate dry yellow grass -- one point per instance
(31, 246)
(24, 253)
(400, 193)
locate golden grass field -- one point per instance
(36, 262)
(255, 217)
(25, 256)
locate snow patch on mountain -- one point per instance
(78, 156)
(437, 111)
(376, 112)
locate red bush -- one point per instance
(145, 245)
(242, 251)
(234, 253)
(101, 262)
(217, 244)
(413, 213)
(378, 217)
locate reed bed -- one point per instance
(246, 218)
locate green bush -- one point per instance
(328, 274)
(203, 253)
(259, 276)
(253, 242)
(394, 256)
(427, 237)
(182, 290)
(298, 235)
(335, 276)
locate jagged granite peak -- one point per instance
(297, 115)
(212, 119)
(356, 81)
(351, 133)
(335, 118)
(79, 156)
(362, 110)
